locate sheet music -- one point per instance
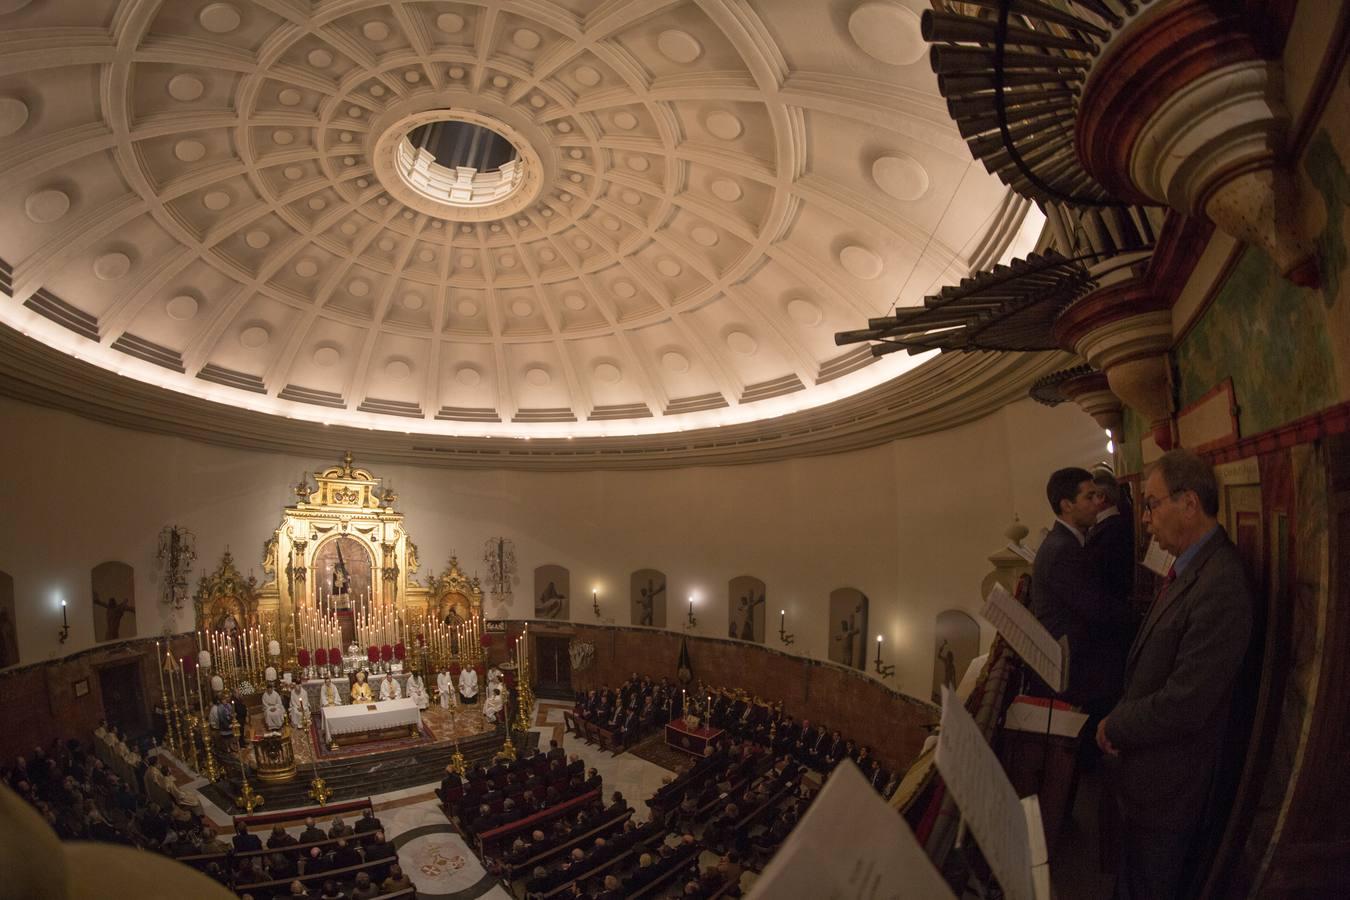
(988, 804)
(850, 845)
(1156, 559)
(1028, 637)
(1023, 551)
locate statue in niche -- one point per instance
(115, 611)
(550, 602)
(646, 599)
(948, 661)
(341, 580)
(847, 638)
(747, 611)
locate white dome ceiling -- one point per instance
(196, 194)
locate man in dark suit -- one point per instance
(1166, 732)
(1110, 545)
(244, 840)
(1066, 593)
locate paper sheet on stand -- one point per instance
(850, 845)
(986, 799)
(1157, 560)
(1028, 637)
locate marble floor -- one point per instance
(438, 861)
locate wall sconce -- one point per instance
(693, 623)
(65, 623)
(595, 602)
(883, 670)
(783, 636)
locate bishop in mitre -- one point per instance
(328, 694)
(299, 706)
(468, 685)
(389, 689)
(417, 690)
(273, 707)
(361, 692)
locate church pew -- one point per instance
(684, 856)
(599, 871)
(748, 821)
(486, 838)
(296, 816)
(567, 847)
(340, 875)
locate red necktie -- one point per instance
(1167, 581)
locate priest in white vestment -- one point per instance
(328, 694)
(274, 709)
(468, 685)
(389, 689)
(444, 687)
(299, 707)
(493, 705)
(417, 690)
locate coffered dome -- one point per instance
(235, 200)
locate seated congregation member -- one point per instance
(312, 832)
(396, 880)
(367, 824)
(279, 839)
(331, 891)
(345, 855)
(339, 828)
(244, 841)
(365, 889)
(380, 850)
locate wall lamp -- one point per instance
(783, 635)
(693, 623)
(884, 671)
(65, 623)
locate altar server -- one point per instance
(299, 707)
(468, 685)
(389, 689)
(417, 690)
(274, 709)
(444, 687)
(492, 706)
(328, 694)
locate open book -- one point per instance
(850, 845)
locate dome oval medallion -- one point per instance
(903, 177)
(398, 369)
(805, 312)
(608, 373)
(679, 46)
(13, 115)
(327, 356)
(254, 337)
(45, 207)
(182, 307)
(860, 262)
(538, 376)
(888, 32)
(468, 376)
(112, 266)
(742, 343)
(675, 362)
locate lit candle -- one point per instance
(878, 649)
(64, 621)
(782, 619)
(159, 666)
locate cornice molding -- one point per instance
(947, 391)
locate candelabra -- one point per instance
(248, 800)
(212, 772)
(191, 730)
(171, 728)
(177, 550)
(458, 764)
(783, 634)
(884, 671)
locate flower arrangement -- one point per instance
(372, 653)
(303, 656)
(334, 656)
(399, 651)
(321, 657)
(386, 652)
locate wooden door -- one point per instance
(553, 669)
(124, 698)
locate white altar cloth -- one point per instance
(339, 720)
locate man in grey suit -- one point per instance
(1167, 729)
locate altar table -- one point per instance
(369, 718)
(690, 740)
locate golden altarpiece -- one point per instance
(339, 569)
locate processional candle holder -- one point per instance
(191, 731)
(212, 771)
(248, 800)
